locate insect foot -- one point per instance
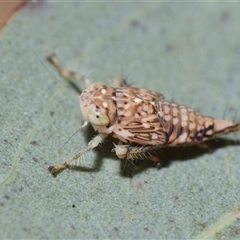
(56, 169)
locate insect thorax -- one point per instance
(131, 112)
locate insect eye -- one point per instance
(98, 118)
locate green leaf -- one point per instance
(186, 50)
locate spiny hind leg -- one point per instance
(132, 153)
(56, 169)
(68, 75)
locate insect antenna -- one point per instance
(55, 78)
(79, 129)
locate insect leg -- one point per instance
(119, 82)
(136, 152)
(56, 169)
(68, 75)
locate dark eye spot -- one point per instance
(125, 103)
(97, 116)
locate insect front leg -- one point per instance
(68, 75)
(56, 169)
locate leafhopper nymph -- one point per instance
(142, 120)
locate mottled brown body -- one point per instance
(183, 125)
(138, 116)
(142, 121)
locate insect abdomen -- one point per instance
(184, 126)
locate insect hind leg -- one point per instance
(68, 75)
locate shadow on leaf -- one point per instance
(167, 155)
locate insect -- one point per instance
(141, 120)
